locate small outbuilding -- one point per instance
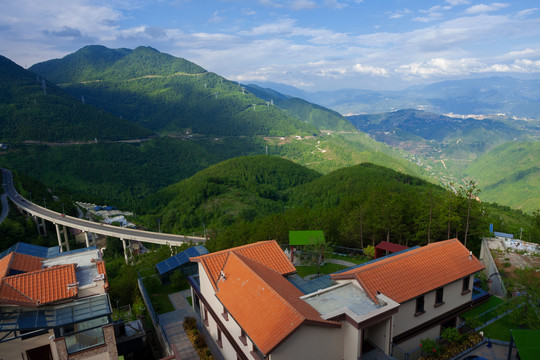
(385, 248)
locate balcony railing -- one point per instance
(84, 340)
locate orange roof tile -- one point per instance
(39, 287)
(26, 263)
(415, 272)
(19, 262)
(4, 264)
(100, 264)
(263, 302)
(267, 253)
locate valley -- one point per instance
(169, 121)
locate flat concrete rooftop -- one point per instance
(339, 297)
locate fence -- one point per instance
(155, 320)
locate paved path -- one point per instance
(340, 262)
(171, 323)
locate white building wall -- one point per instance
(414, 342)
(352, 340)
(379, 334)
(405, 320)
(311, 342)
(230, 325)
(16, 349)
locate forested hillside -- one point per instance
(166, 94)
(121, 174)
(238, 189)
(510, 174)
(316, 115)
(32, 108)
(249, 199)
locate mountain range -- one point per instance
(495, 95)
(174, 118)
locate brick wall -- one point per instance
(109, 347)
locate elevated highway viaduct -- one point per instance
(88, 227)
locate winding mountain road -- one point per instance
(89, 226)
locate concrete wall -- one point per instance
(311, 342)
(405, 319)
(492, 273)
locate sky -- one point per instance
(310, 44)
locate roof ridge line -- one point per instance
(19, 292)
(55, 267)
(403, 255)
(288, 304)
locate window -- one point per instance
(219, 342)
(419, 305)
(243, 337)
(465, 288)
(205, 320)
(439, 293)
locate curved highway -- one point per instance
(89, 226)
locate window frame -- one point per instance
(439, 297)
(420, 305)
(466, 286)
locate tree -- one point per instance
(315, 254)
(526, 289)
(469, 192)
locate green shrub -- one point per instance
(451, 335)
(200, 341)
(429, 346)
(190, 323)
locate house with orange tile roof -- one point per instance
(54, 305)
(249, 299)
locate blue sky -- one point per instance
(310, 44)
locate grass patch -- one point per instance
(480, 309)
(328, 268)
(500, 329)
(160, 299)
(161, 303)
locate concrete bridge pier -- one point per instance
(127, 249)
(90, 240)
(58, 233)
(40, 223)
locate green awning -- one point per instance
(527, 343)
(309, 237)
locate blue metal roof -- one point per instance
(505, 235)
(180, 259)
(40, 251)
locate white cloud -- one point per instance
(483, 8)
(457, 2)
(370, 70)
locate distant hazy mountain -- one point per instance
(453, 140)
(316, 115)
(166, 94)
(32, 108)
(513, 97)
